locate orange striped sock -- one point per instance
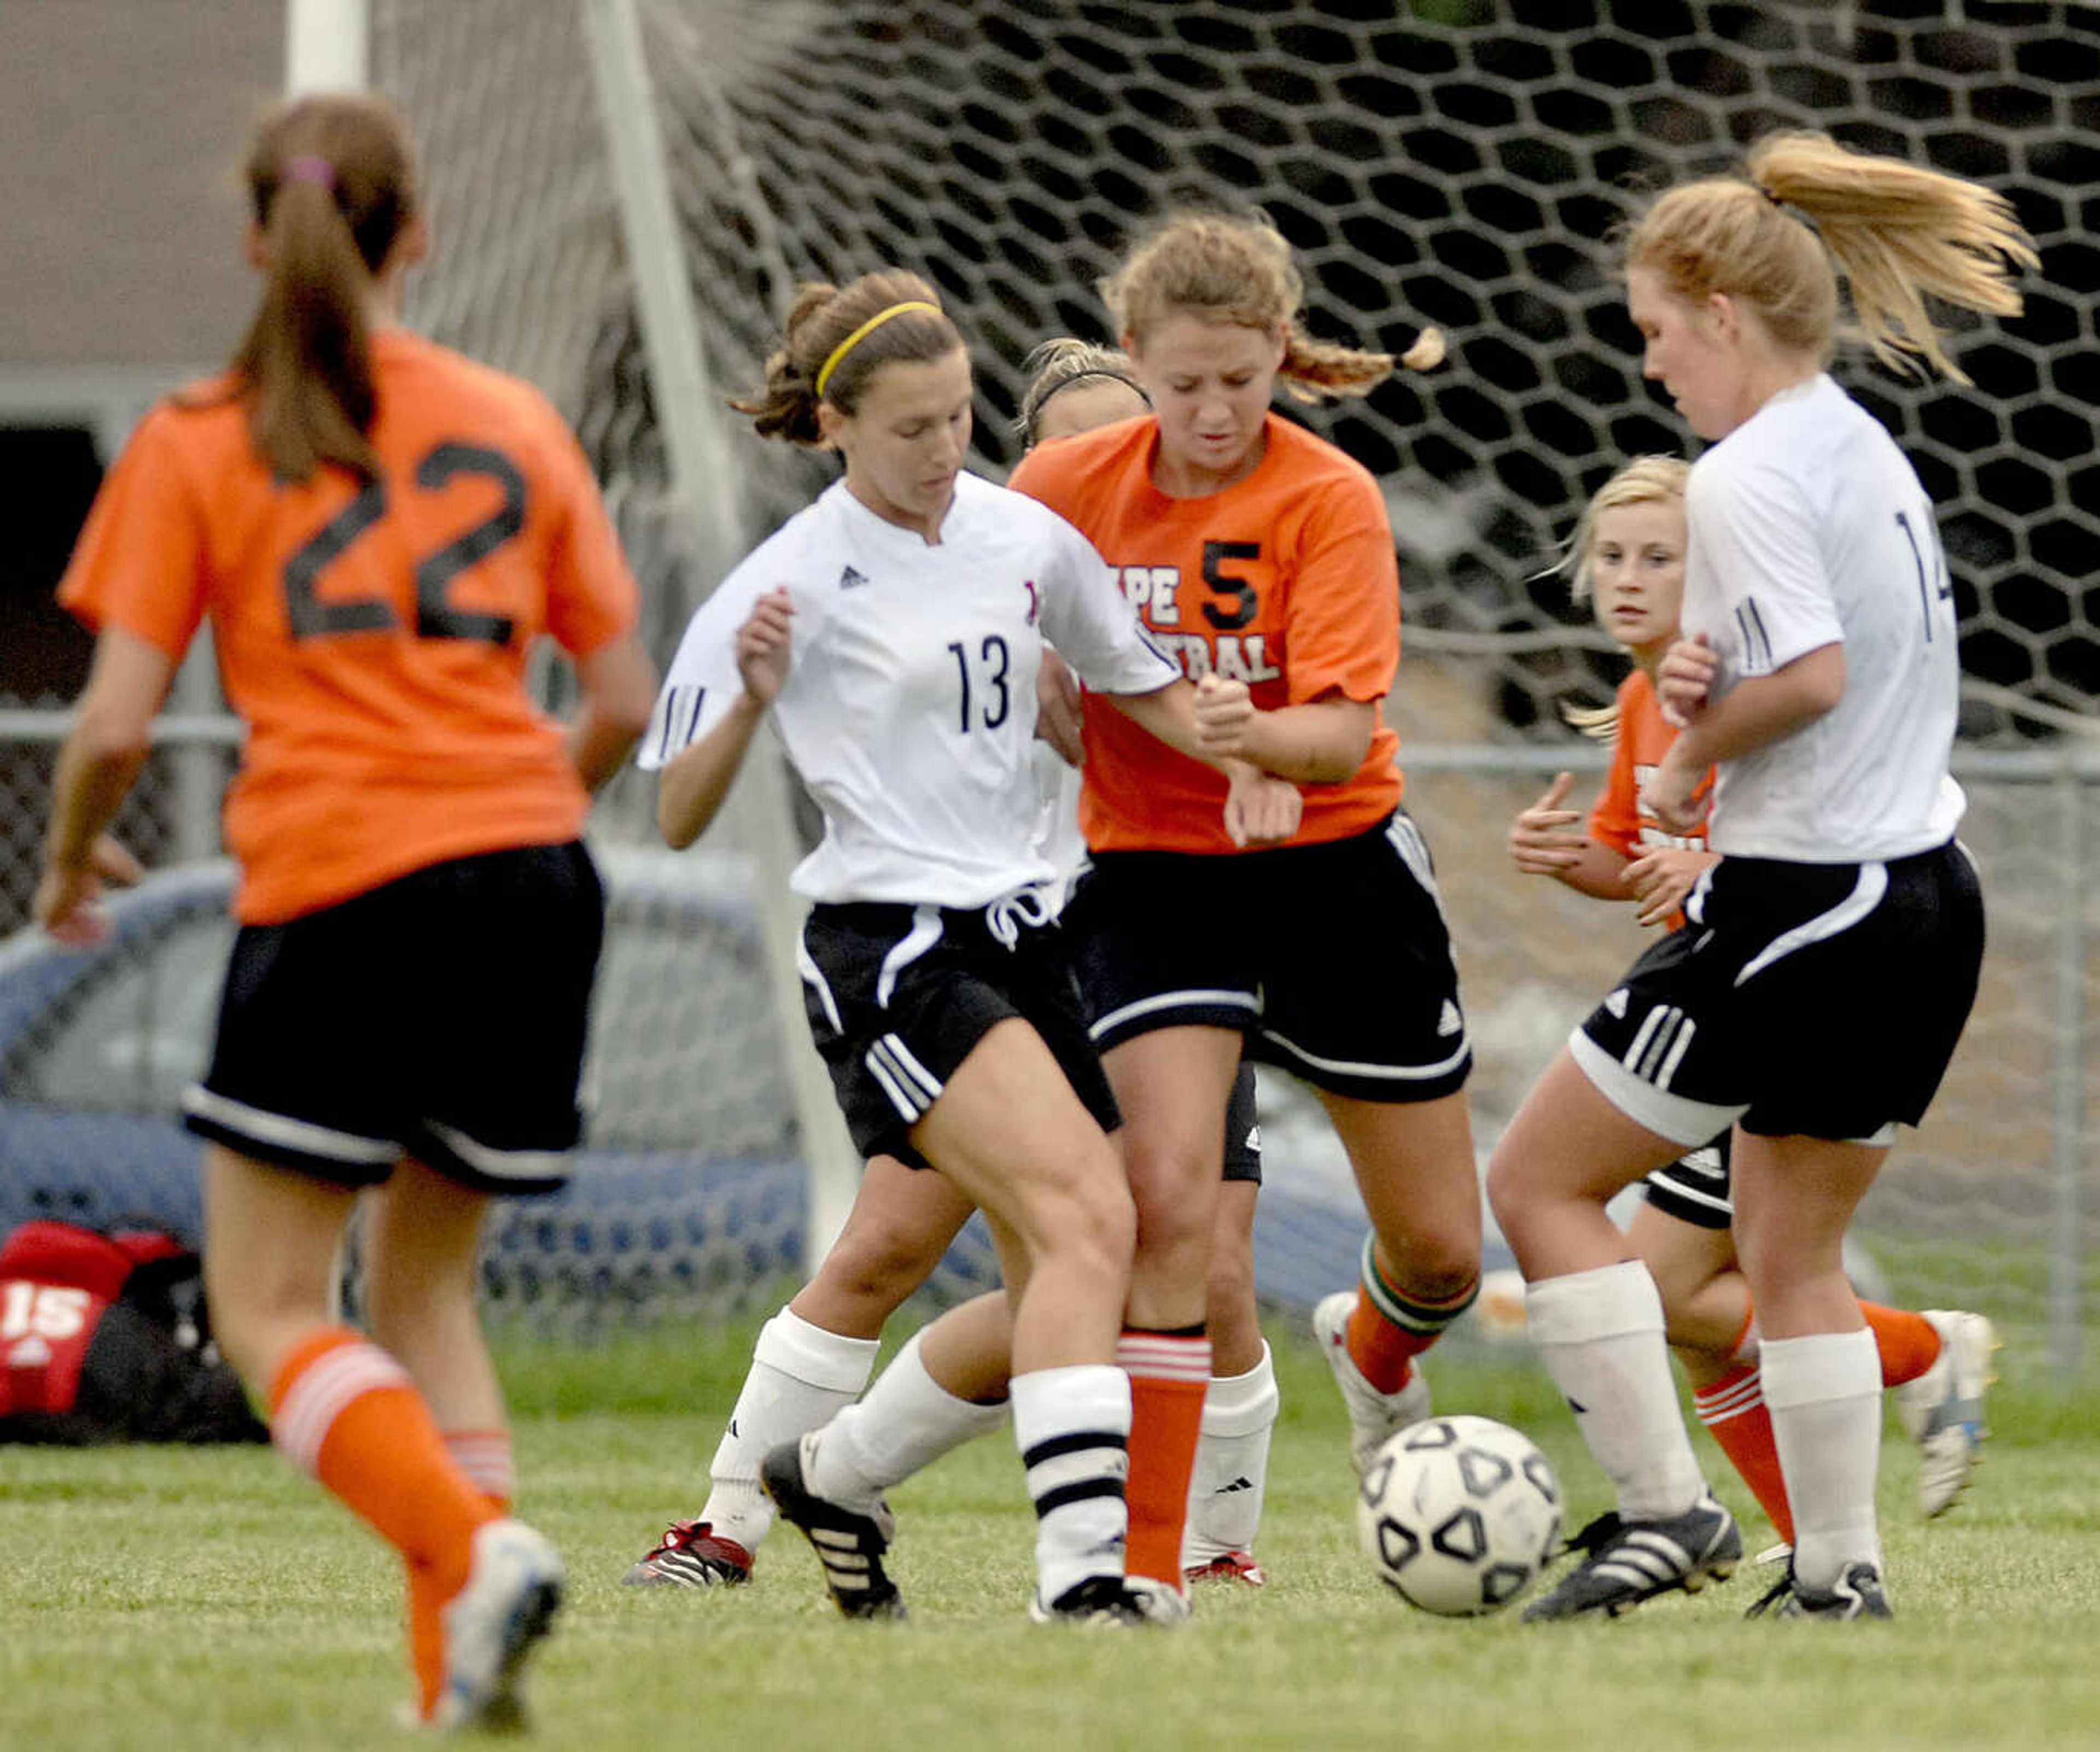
(344, 1413)
(1388, 1328)
(1907, 1343)
(1170, 1373)
(1733, 1411)
(484, 1457)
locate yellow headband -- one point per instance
(867, 329)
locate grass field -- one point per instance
(160, 1600)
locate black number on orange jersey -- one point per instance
(310, 617)
(1224, 583)
(994, 653)
(435, 618)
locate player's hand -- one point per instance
(1661, 879)
(1260, 809)
(112, 861)
(1685, 679)
(1544, 840)
(67, 904)
(1224, 713)
(1059, 708)
(1676, 793)
(764, 646)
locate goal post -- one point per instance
(689, 404)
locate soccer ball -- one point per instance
(1458, 1515)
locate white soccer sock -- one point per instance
(1600, 1335)
(1824, 1395)
(907, 1421)
(1226, 1489)
(1072, 1425)
(801, 1376)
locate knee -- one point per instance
(1097, 1219)
(878, 1270)
(1505, 1190)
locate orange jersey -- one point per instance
(373, 640)
(1286, 580)
(1621, 819)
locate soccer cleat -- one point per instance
(1374, 1417)
(1857, 1594)
(1229, 1566)
(848, 1543)
(1626, 1562)
(1113, 1600)
(1943, 1410)
(692, 1555)
(512, 1592)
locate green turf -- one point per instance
(159, 1599)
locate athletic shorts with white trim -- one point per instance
(1242, 1130)
(1820, 1000)
(441, 1016)
(1695, 1188)
(898, 996)
(1333, 960)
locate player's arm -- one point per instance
(1261, 808)
(690, 789)
(618, 685)
(99, 761)
(1754, 713)
(1318, 742)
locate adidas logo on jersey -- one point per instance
(852, 579)
(1448, 1023)
(1616, 1002)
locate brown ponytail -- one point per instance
(332, 181)
(836, 340)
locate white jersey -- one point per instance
(909, 705)
(1808, 527)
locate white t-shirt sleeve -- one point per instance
(701, 683)
(1754, 532)
(1089, 622)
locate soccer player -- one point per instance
(380, 532)
(1261, 556)
(815, 1356)
(1833, 951)
(1626, 558)
(894, 630)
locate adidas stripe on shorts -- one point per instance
(1332, 959)
(1821, 1000)
(898, 996)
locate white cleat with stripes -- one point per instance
(1626, 1562)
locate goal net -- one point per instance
(1456, 162)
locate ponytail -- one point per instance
(331, 182)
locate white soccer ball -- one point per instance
(1458, 1515)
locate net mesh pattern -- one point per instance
(1456, 164)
